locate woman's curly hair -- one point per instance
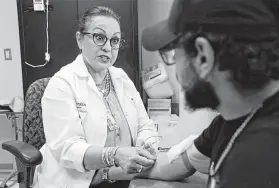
(252, 64)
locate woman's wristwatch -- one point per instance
(105, 176)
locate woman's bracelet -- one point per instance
(105, 176)
(104, 157)
(114, 152)
(108, 156)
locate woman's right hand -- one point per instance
(134, 159)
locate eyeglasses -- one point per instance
(101, 40)
(168, 56)
(168, 53)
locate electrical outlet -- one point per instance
(8, 54)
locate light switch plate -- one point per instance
(8, 54)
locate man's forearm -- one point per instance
(116, 173)
(162, 170)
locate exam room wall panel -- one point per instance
(10, 70)
(63, 24)
(149, 13)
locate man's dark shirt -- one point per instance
(253, 161)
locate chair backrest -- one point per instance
(33, 130)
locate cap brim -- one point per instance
(157, 36)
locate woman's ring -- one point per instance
(139, 171)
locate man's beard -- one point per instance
(201, 95)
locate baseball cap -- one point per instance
(157, 36)
(251, 20)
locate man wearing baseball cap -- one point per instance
(227, 59)
(163, 41)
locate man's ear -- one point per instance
(204, 62)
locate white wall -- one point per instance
(150, 12)
(194, 122)
(10, 71)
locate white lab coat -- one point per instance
(74, 118)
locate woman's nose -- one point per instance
(107, 46)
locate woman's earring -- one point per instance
(203, 59)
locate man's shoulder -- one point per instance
(260, 137)
(217, 120)
(204, 143)
(266, 122)
(255, 155)
(216, 124)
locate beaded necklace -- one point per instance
(104, 87)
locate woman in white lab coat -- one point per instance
(93, 116)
